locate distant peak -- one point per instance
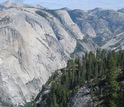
(95, 10)
(39, 6)
(15, 3)
(11, 2)
(65, 8)
(121, 10)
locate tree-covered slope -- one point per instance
(100, 74)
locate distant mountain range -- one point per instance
(35, 41)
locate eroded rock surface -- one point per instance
(34, 42)
(82, 98)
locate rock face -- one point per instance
(34, 42)
(30, 52)
(82, 98)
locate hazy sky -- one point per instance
(72, 4)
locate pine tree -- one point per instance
(111, 79)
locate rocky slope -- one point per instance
(34, 42)
(82, 98)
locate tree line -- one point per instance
(104, 69)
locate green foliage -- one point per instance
(111, 79)
(101, 69)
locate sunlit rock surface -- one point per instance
(34, 42)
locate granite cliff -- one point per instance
(35, 41)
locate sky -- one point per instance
(76, 4)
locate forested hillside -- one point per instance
(102, 72)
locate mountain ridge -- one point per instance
(39, 41)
